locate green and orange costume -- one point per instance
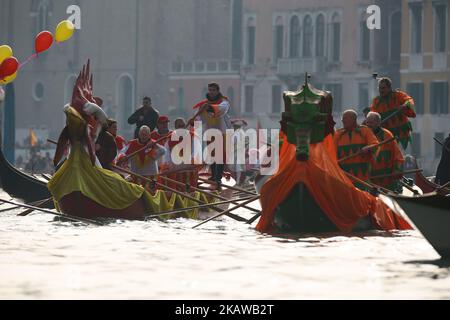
(398, 124)
(351, 142)
(308, 157)
(388, 161)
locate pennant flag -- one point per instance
(33, 138)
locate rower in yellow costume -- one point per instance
(352, 139)
(395, 107)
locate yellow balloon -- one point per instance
(64, 31)
(8, 79)
(5, 52)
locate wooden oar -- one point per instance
(65, 216)
(442, 144)
(409, 187)
(143, 148)
(233, 216)
(367, 184)
(188, 168)
(205, 192)
(228, 211)
(169, 212)
(396, 174)
(253, 219)
(229, 187)
(39, 205)
(370, 147)
(443, 186)
(391, 116)
(16, 207)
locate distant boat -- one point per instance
(427, 185)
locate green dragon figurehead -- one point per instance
(305, 118)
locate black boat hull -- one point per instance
(430, 214)
(20, 185)
(300, 213)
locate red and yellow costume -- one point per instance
(143, 163)
(120, 142)
(388, 160)
(351, 142)
(399, 124)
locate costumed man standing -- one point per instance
(395, 107)
(213, 112)
(143, 163)
(144, 116)
(389, 159)
(120, 141)
(352, 139)
(105, 146)
(443, 170)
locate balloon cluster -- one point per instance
(9, 65)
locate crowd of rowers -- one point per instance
(149, 153)
(369, 151)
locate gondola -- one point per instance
(428, 186)
(309, 192)
(20, 185)
(430, 213)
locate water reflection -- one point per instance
(224, 259)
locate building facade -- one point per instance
(425, 73)
(131, 44)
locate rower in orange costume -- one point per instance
(396, 102)
(352, 139)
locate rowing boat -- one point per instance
(430, 214)
(427, 185)
(20, 185)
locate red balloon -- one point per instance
(44, 41)
(8, 67)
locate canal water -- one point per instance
(225, 259)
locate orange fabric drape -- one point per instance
(335, 194)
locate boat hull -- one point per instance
(77, 204)
(300, 213)
(430, 214)
(427, 186)
(20, 185)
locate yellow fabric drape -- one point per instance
(112, 191)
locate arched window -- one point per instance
(335, 38)
(395, 36)
(364, 39)
(294, 37)
(251, 40)
(125, 98)
(307, 37)
(68, 88)
(278, 39)
(320, 36)
(42, 10)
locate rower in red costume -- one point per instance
(143, 163)
(189, 176)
